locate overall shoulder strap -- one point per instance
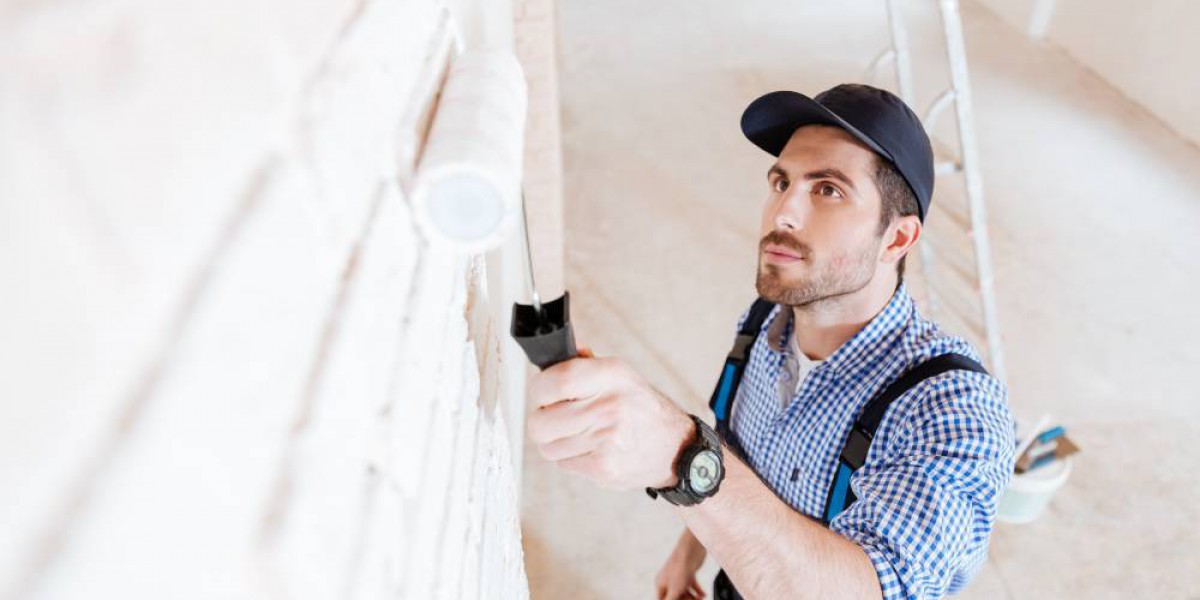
(873, 413)
(858, 442)
(731, 373)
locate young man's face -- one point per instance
(823, 208)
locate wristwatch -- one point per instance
(700, 468)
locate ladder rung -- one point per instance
(954, 260)
(959, 297)
(948, 167)
(956, 212)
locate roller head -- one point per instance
(467, 189)
(464, 210)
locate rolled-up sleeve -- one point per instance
(927, 494)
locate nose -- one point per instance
(789, 211)
(785, 221)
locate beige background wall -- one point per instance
(230, 368)
(1148, 50)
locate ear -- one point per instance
(899, 238)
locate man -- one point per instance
(847, 198)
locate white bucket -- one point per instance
(1028, 493)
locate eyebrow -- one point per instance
(826, 173)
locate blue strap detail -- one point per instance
(723, 395)
(841, 485)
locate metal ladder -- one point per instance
(967, 162)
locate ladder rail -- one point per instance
(959, 94)
(956, 53)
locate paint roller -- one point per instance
(467, 193)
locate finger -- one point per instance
(566, 419)
(695, 589)
(662, 590)
(585, 352)
(581, 378)
(574, 445)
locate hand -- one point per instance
(677, 578)
(600, 418)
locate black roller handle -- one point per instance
(546, 338)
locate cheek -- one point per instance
(842, 240)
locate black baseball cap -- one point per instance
(875, 117)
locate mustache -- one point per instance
(782, 239)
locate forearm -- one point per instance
(628, 434)
(688, 540)
(771, 551)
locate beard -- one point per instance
(814, 279)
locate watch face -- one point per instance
(704, 471)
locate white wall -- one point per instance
(1016, 12)
(229, 368)
(1148, 50)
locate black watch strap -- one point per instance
(682, 493)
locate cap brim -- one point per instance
(770, 121)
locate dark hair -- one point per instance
(897, 200)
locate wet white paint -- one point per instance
(230, 367)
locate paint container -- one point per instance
(467, 192)
(1028, 493)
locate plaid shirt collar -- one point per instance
(871, 343)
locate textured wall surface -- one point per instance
(229, 367)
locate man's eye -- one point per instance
(780, 185)
(828, 190)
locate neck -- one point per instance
(823, 326)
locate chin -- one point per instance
(788, 275)
(773, 287)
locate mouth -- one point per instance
(778, 254)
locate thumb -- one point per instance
(674, 591)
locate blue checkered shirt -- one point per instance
(937, 466)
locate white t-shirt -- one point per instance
(797, 366)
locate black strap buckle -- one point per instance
(858, 443)
(741, 348)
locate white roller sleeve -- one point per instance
(468, 187)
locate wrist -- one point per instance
(683, 435)
(698, 467)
